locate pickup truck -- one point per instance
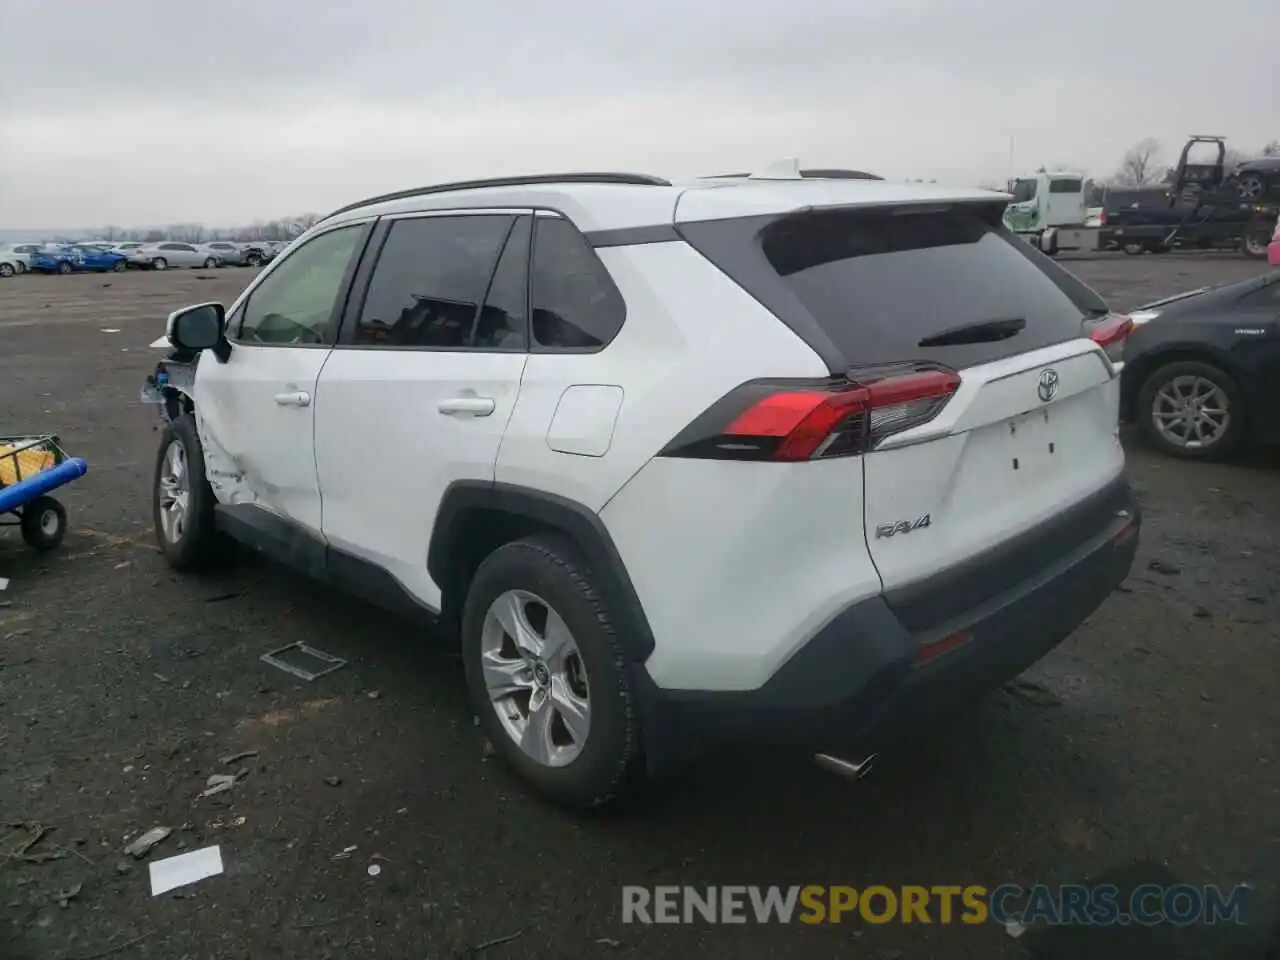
(1146, 222)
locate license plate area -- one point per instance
(1033, 446)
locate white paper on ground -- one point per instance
(174, 872)
(4, 583)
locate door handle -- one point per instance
(474, 406)
(298, 398)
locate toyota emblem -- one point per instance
(1047, 389)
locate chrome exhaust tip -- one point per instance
(849, 768)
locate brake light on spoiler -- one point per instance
(790, 420)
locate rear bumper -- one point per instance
(877, 669)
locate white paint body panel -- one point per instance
(738, 564)
(386, 452)
(584, 420)
(258, 451)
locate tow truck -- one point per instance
(1049, 209)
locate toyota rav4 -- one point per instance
(743, 458)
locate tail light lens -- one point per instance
(1111, 333)
(1102, 218)
(790, 421)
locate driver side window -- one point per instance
(294, 304)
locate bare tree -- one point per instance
(1271, 149)
(155, 236)
(1141, 163)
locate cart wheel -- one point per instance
(44, 523)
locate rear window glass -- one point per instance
(1066, 186)
(878, 285)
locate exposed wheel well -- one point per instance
(477, 518)
(177, 403)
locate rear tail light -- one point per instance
(790, 421)
(1111, 333)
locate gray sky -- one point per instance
(136, 112)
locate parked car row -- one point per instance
(104, 256)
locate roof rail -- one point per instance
(809, 175)
(635, 179)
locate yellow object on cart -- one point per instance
(29, 463)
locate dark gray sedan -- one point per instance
(1202, 369)
(230, 254)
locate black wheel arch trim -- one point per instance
(463, 498)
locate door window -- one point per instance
(430, 281)
(295, 302)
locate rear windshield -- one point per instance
(881, 286)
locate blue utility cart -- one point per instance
(30, 467)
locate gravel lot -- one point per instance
(1148, 743)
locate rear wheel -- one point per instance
(1193, 410)
(182, 500)
(1133, 248)
(1251, 187)
(7, 270)
(64, 268)
(1254, 245)
(159, 263)
(253, 260)
(44, 523)
(546, 673)
(120, 266)
(210, 263)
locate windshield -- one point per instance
(1023, 190)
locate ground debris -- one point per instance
(35, 833)
(63, 898)
(1162, 567)
(237, 757)
(216, 784)
(495, 942)
(142, 845)
(1034, 693)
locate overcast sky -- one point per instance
(133, 112)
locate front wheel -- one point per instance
(1254, 245)
(64, 268)
(1251, 187)
(1192, 410)
(547, 676)
(44, 523)
(182, 500)
(7, 270)
(210, 263)
(159, 263)
(120, 266)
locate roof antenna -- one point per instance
(788, 169)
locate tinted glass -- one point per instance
(430, 279)
(1023, 190)
(878, 285)
(296, 300)
(1066, 186)
(504, 318)
(575, 304)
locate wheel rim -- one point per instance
(210, 264)
(49, 523)
(1191, 412)
(159, 264)
(6, 270)
(175, 493)
(1256, 244)
(535, 678)
(1250, 188)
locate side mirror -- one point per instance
(201, 327)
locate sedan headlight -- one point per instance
(1139, 317)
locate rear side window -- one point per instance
(430, 280)
(883, 288)
(575, 303)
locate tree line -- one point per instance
(286, 228)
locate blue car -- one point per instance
(78, 258)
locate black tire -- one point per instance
(1255, 242)
(253, 260)
(610, 759)
(198, 544)
(1252, 187)
(64, 268)
(120, 266)
(44, 523)
(159, 263)
(7, 270)
(1225, 445)
(210, 263)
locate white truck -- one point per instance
(1050, 210)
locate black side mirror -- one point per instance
(200, 327)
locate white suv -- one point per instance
(738, 458)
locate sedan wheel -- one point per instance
(6, 270)
(1193, 410)
(159, 263)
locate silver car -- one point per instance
(16, 257)
(172, 253)
(230, 254)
